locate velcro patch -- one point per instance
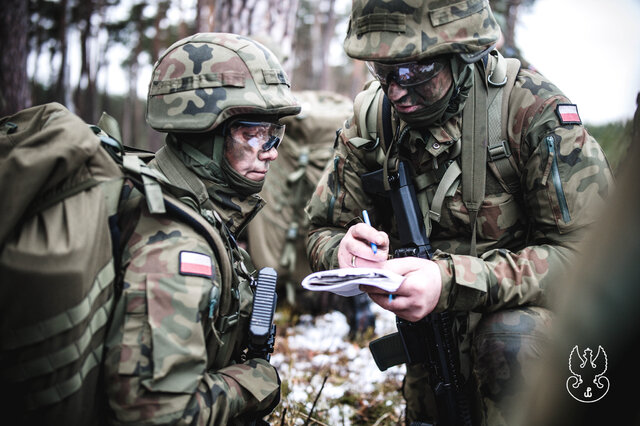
(568, 114)
(198, 264)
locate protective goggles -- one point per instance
(258, 134)
(407, 74)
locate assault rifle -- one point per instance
(262, 330)
(429, 341)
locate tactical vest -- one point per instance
(484, 118)
(61, 182)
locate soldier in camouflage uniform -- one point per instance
(175, 348)
(505, 208)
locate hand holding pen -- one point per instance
(363, 246)
(365, 216)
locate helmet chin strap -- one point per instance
(218, 149)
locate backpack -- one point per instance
(276, 235)
(61, 183)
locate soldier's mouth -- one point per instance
(407, 109)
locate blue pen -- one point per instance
(365, 215)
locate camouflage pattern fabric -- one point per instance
(202, 80)
(407, 30)
(523, 239)
(598, 307)
(170, 356)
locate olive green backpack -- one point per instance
(61, 186)
(276, 235)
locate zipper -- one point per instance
(557, 182)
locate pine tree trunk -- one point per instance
(15, 93)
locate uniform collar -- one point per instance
(235, 210)
(439, 139)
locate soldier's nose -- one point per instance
(395, 92)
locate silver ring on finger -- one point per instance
(353, 261)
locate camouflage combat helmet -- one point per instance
(202, 80)
(395, 31)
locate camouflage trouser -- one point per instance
(504, 349)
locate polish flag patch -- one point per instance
(198, 264)
(568, 114)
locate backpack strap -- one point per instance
(177, 173)
(499, 158)
(150, 179)
(474, 155)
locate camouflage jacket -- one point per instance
(521, 237)
(174, 346)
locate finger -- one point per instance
(406, 265)
(368, 234)
(394, 303)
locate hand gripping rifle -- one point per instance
(429, 341)
(262, 330)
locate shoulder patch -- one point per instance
(197, 264)
(568, 114)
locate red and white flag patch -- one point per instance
(198, 264)
(568, 114)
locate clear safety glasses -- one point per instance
(407, 74)
(258, 134)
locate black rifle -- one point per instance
(262, 330)
(429, 341)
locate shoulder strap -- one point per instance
(474, 123)
(180, 175)
(387, 131)
(499, 158)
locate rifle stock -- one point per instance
(429, 341)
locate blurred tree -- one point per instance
(14, 82)
(85, 94)
(506, 13)
(314, 32)
(145, 31)
(274, 19)
(54, 28)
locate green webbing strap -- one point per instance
(449, 179)
(60, 391)
(501, 163)
(110, 126)
(421, 183)
(150, 178)
(64, 321)
(474, 153)
(47, 200)
(51, 362)
(180, 175)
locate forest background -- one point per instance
(96, 55)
